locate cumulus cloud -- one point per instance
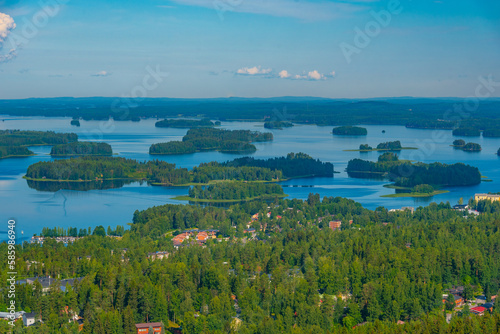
(313, 75)
(284, 74)
(7, 24)
(102, 74)
(256, 70)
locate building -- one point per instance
(478, 310)
(144, 328)
(459, 301)
(488, 306)
(335, 225)
(8, 316)
(28, 319)
(158, 255)
(488, 197)
(460, 207)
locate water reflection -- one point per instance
(53, 186)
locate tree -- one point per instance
(99, 230)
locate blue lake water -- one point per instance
(34, 209)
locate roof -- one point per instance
(29, 315)
(6, 315)
(487, 305)
(150, 324)
(478, 309)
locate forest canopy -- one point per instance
(350, 131)
(209, 139)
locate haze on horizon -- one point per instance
(258, 48)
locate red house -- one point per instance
(144, 328)
(335, 225)
(479, 310)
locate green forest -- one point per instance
(184, 123)
(292, 166)
(233, 190)
(93, 170)
(296, 276)
(467, 132)
(349, 131)
(13, 143)
(279, 125)
(209, 139)
(406, 174)
(472, 147)
(81, 148)
(390, 146)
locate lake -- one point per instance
(34, 209)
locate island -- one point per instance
(387, 146)
(467, 132)
(14, 151)
(278, 125)
(185, 123)
(233, 191)
(209, 139)
(498, 152)
(472, 147)
(14, 143)
(459, 143)
(407, 175)
(75, 122)
(421, 190)
(64, 173)
(81, 148)
(350, 131)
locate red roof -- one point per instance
(147, 325)
(478, 309)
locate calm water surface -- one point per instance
(34, 209)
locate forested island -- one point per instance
(408, 175)
(208, 139)
(233, 191)
(295, 276)
(472, 147)
(81, 148)
(99, 171)
(387, 146)
(350, 131)
(185, 123)
(459, 143)
(75, 122)
(467, 132)
(279, 125)
(498, 152)
(14, 143)
(294, 165)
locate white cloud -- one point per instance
(284, 74)
(7, 24)
(102, 74)
(305, 10)
(315, 75)
(256, 70)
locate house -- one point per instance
(478, 310)
(47, 282)
(460, 207)
(335, 225)
(144, 328)
(488, 306)
(160, 255)
(80, 324)
(459, 301)
(487, 197)
(28, 319)
(8, 316)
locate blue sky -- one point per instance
(248, 48)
